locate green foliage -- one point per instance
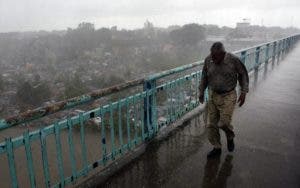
(85, 26)
(159, 61)
(74, 87)
(35, 95)
(107, 80)
(83, 38)
(238, 33)
(189, 34)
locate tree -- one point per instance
(74, 87)
(103, 35)
(33, 95)
(238, 33)
(107, 80)
(189, 34)
(81, 39)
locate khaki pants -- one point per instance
(220, 111)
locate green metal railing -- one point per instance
(60, 150)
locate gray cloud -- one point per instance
(16, 15)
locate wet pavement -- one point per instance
(267, 142)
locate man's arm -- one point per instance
(243, 80)
(203, 82)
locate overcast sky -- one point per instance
(27, 15)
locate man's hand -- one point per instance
(241, 99)
(201, 99)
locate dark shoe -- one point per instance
(230, 145)
(216, 152)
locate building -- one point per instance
(244, 24)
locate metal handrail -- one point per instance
(133, 119)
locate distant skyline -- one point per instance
(32, 15)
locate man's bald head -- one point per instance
(217, 46)
(217, 52)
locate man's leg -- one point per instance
(212, 128)
(226, 112)
(212, 125)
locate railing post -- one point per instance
(287, 44)
(266, 60)
(284, 48)
(243, 56)
(243, 60)
(150, 107)
(279, 51)
(11, 162)
(267, 53)
(274, 53)
(294, 40)
(257, 52)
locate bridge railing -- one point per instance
(61, 153)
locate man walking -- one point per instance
(221, 72)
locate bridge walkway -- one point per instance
(267, 142)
